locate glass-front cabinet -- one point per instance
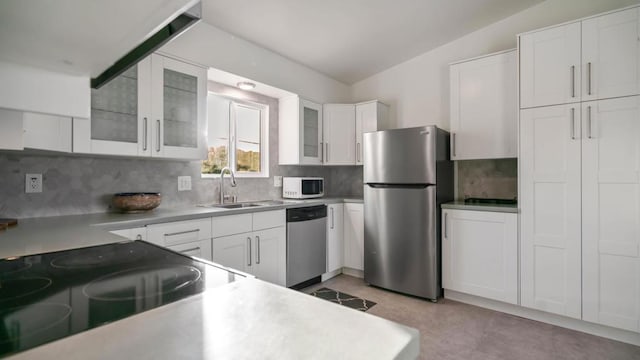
(156, 108)
(300, 137)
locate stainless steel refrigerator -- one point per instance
(407, 175)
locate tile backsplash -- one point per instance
(491, 178)
(84, 184)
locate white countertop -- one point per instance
(247, 319)
(461, 205)
(39, 235)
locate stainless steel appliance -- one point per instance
(407, 175)
(302, 187)
(306, 245)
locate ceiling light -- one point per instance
(245, 85)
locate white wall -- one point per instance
(418, 89)
(210, 46)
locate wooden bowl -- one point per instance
(136, 202)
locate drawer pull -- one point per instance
(182, 232)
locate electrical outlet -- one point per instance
(184, 183)
(33, 183)
(277, 181)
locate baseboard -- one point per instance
(331, 274)
(562, 321)
(353, 272)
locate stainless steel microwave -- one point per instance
(302, 187)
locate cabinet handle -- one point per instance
(332, 222)
(326, 146)
(589, 78)
(258, 249)
(573, 81)
(446, 235)
(573, 124)
(589, 122)
(197, 248)
(144, 134)
(182, 232)
(453, 143)
(358, 152)
(321, 152)
(249, 249)
(158, 144)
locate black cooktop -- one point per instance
(46, 297)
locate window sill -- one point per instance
(237, 175)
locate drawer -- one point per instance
(200, 249)
(179, 232)
(231, 224)
(269, 219)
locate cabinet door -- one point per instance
(611, 55)
(372, 116)
(339, 134)
(270, 255)
(310, 132)
(550, 209)
(480, 254)
(483, 108)
(354, 236)
(550, 66)
(200, 249)
(179, 98)
(120, 121)
(234, 251)
(335, 234)
(611, 212)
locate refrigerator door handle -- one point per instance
(398, 186)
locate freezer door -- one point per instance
(401, 246)
(400, 156)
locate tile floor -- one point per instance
(453, 330)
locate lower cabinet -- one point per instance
(480, 253)
(335, 237)
(262, 251)
(191, 237)
(354, 236)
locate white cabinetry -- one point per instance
(157, 108)
(335, 236)
(596, 58)
(370, 116)
(300, 132)
(611, 212)
(550, 183)
(339, 134)
(192, 237)
(550, 66)
(480, 253)
(484, 108)
(354, 236)
(252, 243)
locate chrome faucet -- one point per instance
(233, 182)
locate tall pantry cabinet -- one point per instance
(580, 169)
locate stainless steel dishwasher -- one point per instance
(306, 245)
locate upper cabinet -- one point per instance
(300, 137)
(483, 107)
(596, 58)
(370, 116)
(157, 108)
(339, 134)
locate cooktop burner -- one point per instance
(16, 288)
(46, 297)
(158, 280)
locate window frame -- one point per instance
(264, 137)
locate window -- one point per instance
(237, 137)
